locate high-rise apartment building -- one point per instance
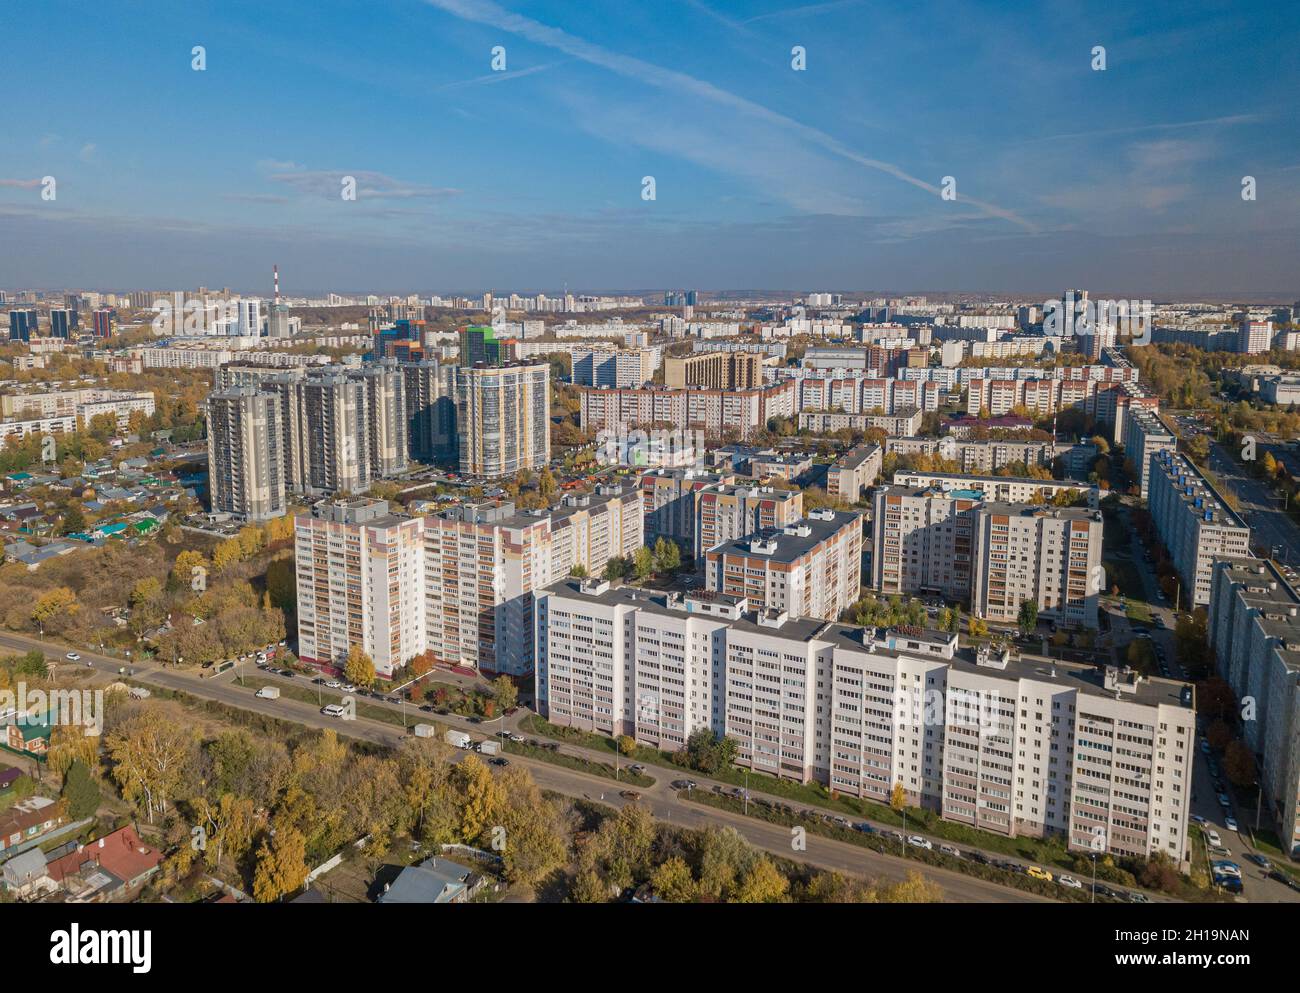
(1254, 337)
(995, 555)
(1254, 631)
(1193, 522)
(61, 323)
(1051, 556)
(334, 433)
(1021, 747)
(615, 367)
(102, 323)
(431, 410)
(479, 346)
(23, 325)
(726, 512)
(245, 454)
(361, 582)
(811, 568)
(503, 419)
(668, 504)
(484, 562)
(1145, 435)
(714, 370)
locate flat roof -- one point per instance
(789, 546)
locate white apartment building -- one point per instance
(1009, 489)
(1193, 522)
(484, 562)
(1254, 631)
(994, 554)
(1022, 747)
(811, 568)
(1049, 555)
(361, 581)
(1145, 435)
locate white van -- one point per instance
(333, 710)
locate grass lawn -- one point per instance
(1138, 612)
(577, 763)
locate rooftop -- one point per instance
(790, 543)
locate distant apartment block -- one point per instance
(713, 411)
(715, 370)
(904, 422)
(616, 367)
(1008, 489)
(850, 476)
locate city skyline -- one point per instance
(765, 175)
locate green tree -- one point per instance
(643, 562)
(504, 692)
(80, 791)
(1028, 617)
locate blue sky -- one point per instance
(1126, 180)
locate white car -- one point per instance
(1230, 823)
(1069, 882)
(333, 684)
(920, 842)
(1212, 837)
(72, 657)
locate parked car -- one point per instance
(1037, 872)
(1230, 822)
(1212, 837)
(950, 850)
(1224, 802)
(917, 841)
(1198, 819)
(630, 795)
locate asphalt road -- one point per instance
(661, 800)
(1269, 524)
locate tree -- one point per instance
(281, 865)
(1028, 617)
(626, 745)
(504, 692)
(480, 798)
(977, 628)
(643, 562)
(1218, 734)
(57, 602)
(151, 755)
(74, 521)
(667, 556)
(616, 568)
(359, 669)
(1239, 764)
(80, 791)
(672, 881)
(579, 571)
(898, 796)
(762, 883)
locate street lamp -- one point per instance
(1093, 898)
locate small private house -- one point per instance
(27, 820)
(106, 869)
(30, 737)
(434, 880)
(24, 876)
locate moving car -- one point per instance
(920, 842)
(1069, 882)
(630, 795)
(1260, 861)
(332, 710)
(73, 657)
(1038, 873)
(950, 850)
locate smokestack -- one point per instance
(275, 271)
